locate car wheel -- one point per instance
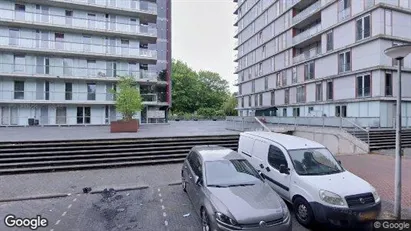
(184, 185)
(205, 222)
(303, 212)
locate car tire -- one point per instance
(205, 221)
(303, 212)
(184, 185)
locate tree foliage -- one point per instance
(229, 106)
(128, 98)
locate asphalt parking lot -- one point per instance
(164, 208)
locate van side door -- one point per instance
(245, 147)
(279, 181)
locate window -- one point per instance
(68, 91)
(47, 90)
(61, 115)
(278, 82)
(283, 78)
(19, 63)
(300, 94)
(272, 64)
(69, 13)
(255, 100)
(14, 36)
(91, 91)
(285, 112)
(253, 86)
(309, 71)
(388, 84)
(18, 89)
(266, 83)
(363, 85)
(344, 61)
(296, 112)
(69, 17)
(341, 111)
(330, 89)
(272, 98)
(388, 22)
(260, 99)
(310, 109)
(260, 69)
(91, 20)
(59, 40)
(43, 65)
(67, 67)
(263, 51)
(83, 115)
(86, 42)
(249, 100)
(91, 68)
(276, 157)
(344, 9)
(287, 96)
(242, 102)
(20, 11)
(363, 28)
(330, 41)
(294, 75)
(318, 92)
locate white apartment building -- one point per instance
(60, 60)
(321, 58)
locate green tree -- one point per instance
(229, 106)
(128, 98)
(213, 89)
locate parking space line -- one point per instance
(65, 212)
(162, 207)
(74, 199)
(69, 206)
(57, 222)
(166, 223)
(164, 214)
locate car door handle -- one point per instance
(261, 166)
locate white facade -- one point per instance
(322, 57)
(60, 61)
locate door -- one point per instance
(5, 116)
(61, 115)
(280, 182)
(44, 115)
(39, 90)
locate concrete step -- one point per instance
(115, 146)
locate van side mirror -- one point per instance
(197, 180)
(261, 174)
(284, 169)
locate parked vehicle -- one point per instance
(306, 174)
(229, 194)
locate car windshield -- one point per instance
(314, 162)
(230, 173)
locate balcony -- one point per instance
(152, 99)
(307, 33)
(84, 49)
(307, 55)
(78, 25)
(344, 14)
(67, 72)
(307, 12)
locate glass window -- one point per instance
(287, 96)
(330, 93)
(69, 91)
(276, 157)
(318, 92)
(314, 162)
(91, 91)
(230, 173)
(18, 89)
(19, 63)
(330, 41)
(388, 84)
(13, 36)
(363, 86)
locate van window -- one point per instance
(276, 157)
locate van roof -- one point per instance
(289, 142)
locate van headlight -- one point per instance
(332, 198)
(286, 212)
(225, 219)
(376, 196)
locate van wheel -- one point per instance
(303, 212)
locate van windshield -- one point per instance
(314, 162)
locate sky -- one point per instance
(203, 36)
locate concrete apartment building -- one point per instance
(60, 60)
(321, 58)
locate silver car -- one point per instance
(229, 194)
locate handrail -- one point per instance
(356, 125)
(262, 124)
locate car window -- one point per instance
(276, 157)
(195, 164)
(230, 172)
(191, 159)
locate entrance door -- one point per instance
(44, 115)
(61, 115)
(5, 116)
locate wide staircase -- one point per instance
(383, 138)
(46, 156)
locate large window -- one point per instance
(68, 91)
(253, 86)
(260, 99)
(20, 11)
(344, 9)
(266, 83)
(255, 100)
(341, 111)
(83, 115)
(43, 65)
(344, 61)
(287, 96)
(363, 28)
(363, 85)
(330, 41)
(388, 84)
(309, 70)
(276, 157)
(284, 78)
(14, 36)
(330, 90)
(272, 98)
(300, 94)
(278, 80)
(91, 91)
(249, 101)
(296, 112)
(18, 89)
(19, 63)
(318, 92)
(294, 75)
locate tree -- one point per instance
(128, 98)
(213, 89)
(229, 106)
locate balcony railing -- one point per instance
(142, 6)
(307, 33)
(306, 12)
(368, 3)
(307, 54)
(150, 97)
(344, 67)
(73, 72)
(85, 47)
(344, 14)
(85, 23)
(55, 96)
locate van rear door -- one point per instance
(245, 146)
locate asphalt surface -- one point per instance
(165, 208)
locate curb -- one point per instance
(50, 196)
(120, 189)
(174, 183)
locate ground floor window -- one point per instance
(341, 111)
(83, 115)
(61, 115)
(9, 115)
(296, 112)
(284, 112)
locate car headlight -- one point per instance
(331, 198)
(376, 196)
(286, 212)
(225, 219)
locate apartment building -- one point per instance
(60, 60)
(301, 58)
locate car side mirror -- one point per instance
(284, 169)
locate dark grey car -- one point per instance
(229, 194)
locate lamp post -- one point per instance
(398, 53)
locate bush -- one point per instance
(207, 112)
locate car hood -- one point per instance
(248, 204)
(343, 183)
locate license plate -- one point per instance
(368, 216)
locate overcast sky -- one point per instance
(202, 35)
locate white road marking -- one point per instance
(69, 206)
(164, 214)
(57, 222)
(161, 200)
(65, 212)
(74, 199)
(159, 194)
(158, 190)
(51, 229)
(162, 207)
(165, 223)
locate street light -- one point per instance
(398, 53)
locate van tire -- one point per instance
(303, 212)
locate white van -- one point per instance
(307, 175)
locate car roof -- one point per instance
(287, 141)
(215, 152)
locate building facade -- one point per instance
(60, 60)
(321, 58)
